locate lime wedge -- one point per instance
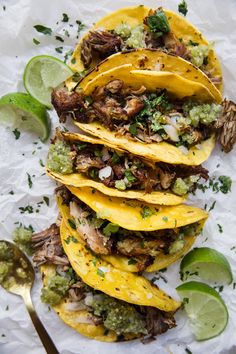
(42, 74)
(207, 312)
(20, 110)
(208, 264)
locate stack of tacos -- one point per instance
(146, 97)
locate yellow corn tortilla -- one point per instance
(134, 16)
(176, 86)
(102, 276)
(152, 59)
(81, 180)
(128, 213)
(161, 261)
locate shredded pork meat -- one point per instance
(226, 125)
(48, 248)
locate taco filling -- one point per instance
(153, 33)
(100, 309)
(146, 116)
(105, 238)
(119, 170)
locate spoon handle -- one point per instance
(43, 334)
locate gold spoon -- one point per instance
(19, 280)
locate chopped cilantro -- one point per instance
(220, 228)
(16, 132)
(190, 42)
(68, 55)
(110, 229)
(70, 239)
(146, 212)
(71, 223)
(46, 200)
(59, 49)
(131, 261)
(115, 158)
(158, 23)
(35, 41)
(212, 206)
(60, 39)
(30, 183)
(165, 218)
(11, 192)
(133, 128)
(81, 26)
(43, 29)
(41, 163)
(100, 273)
(65, 18)
(188, 351)
(130, 177)
(73, 60)
(183, 7)
(226, 183)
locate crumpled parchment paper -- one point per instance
(217, 21)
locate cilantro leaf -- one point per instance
(16, 132)
(110, 229)
(183, 7)
(146, 212)
(158, 23)
(43, 29)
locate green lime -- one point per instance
(208, 264)
(42, 74)
(207, 312)
(20, 110)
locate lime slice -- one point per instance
(20, 110)
(207, 312)
(208, 264)
(42, 74)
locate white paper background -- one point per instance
(17, 157)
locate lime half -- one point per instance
(20, 110)
(42, 74)
(208, 264)
(207, 312)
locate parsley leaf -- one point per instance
(183, 7)
(110, 229)
(30, 183)
(65, 18)
(226, 183)
(71, 223)
(158, 23)
(43, 29)
(60, 39)
(46, 200)
(35, 41)
(16, 132)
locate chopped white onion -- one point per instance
(198, 146)
(85, 318)
(171, 132)
(88, 299)
(74, 210)
(183, 149)
(105, 154)
(105, 172)
(75, 306)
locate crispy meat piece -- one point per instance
(114, 86)
(133, 106)
(84, 162)
(184, 171)
(143, 262)
(65, 101)
(166, 178)
(136, 246)
(48, 248)
(108, 110)
(226, 125)
(158, 322)
(101, 43)
(174, 46)
(92, 236)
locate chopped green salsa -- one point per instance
(22, 237)
(59, 158)
(55, 290)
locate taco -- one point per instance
(82, 161)
(158, 115)
(131, 235)
(89, 301)
(149, 59)
(141, 27)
